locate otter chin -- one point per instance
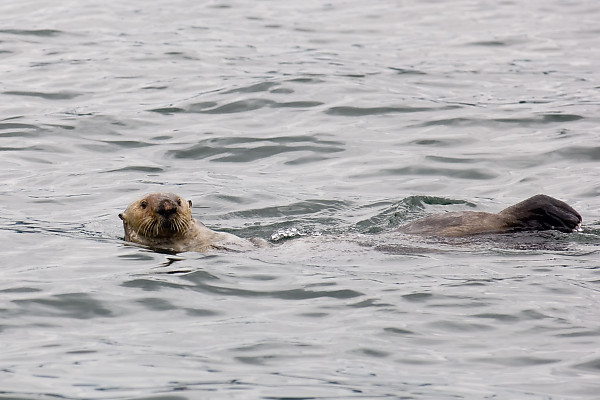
(164, 221)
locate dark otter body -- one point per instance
(538, 213)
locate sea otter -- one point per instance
(164, 221)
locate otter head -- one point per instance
(156, 217)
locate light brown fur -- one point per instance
(164, 221)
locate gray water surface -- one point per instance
(321, 126)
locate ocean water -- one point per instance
(321, 126)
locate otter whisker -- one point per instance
(149, 226)
(180, 226)
(176, 225)
(156, 229)
(164, 220)
(143, 226)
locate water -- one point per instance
(333, 123)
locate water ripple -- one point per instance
(202, 286)
(289, 119)
(252, 149)
(542, 119)
(47, 96)
(577, 153)
(348, 111)
(32, 32)
(238, 106)
(16, 129)
(418, 170)
(254, 88)
(70, 305)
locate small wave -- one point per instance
(490, 43)
(75, 230)
(45, 96)
(467, 174)
(401, 212)
(577, 153)
(15, 129)
(541, 119)
(67, 305)
(252, 149)
(199, 282)
(407, 71)
(33, 32)
(290, 233)
(306, 207)
(534, 120)
(257, 87)
(347, 111)
(238, 106)
(137, 168)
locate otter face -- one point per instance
(156, 216)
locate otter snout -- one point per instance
(167, 207)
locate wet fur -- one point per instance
(537, 213)
(164, 221)
(151, 227)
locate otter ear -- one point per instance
(121, 216)
(190, 203)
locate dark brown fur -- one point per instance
(537, 213)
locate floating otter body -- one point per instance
(164, 221)
(537, 213)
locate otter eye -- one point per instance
(143, 204)
(179, 202)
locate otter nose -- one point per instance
(167, 208)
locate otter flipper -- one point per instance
(540, 213)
